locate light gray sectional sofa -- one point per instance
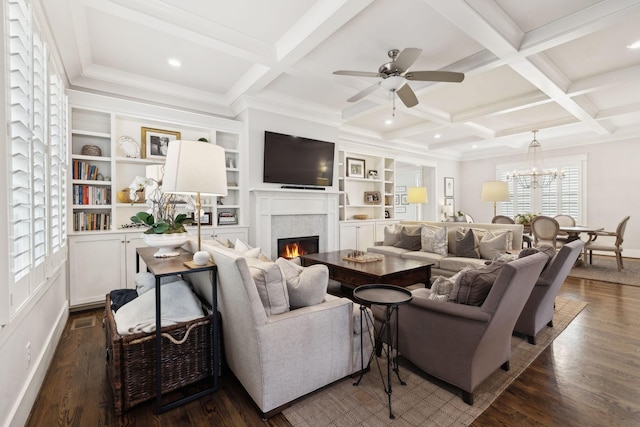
(457, 251)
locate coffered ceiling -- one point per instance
(561, 67)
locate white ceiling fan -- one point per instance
(395, 75)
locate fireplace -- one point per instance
(292, 247)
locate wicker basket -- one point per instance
(131, 359)
(91, 150)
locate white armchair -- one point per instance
(281, 357)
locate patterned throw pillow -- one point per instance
(440, 289)
(434, 240)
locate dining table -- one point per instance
(574, 231)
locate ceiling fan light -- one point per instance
(393, 83)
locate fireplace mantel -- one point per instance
(269, 203)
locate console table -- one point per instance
(173, 266)
(391, 297)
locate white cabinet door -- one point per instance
(231, 234)
(133, 241)
(97, 265)
(359, 236)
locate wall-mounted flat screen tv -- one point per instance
(297, 161)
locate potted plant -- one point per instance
(165, 227)
(460, 217)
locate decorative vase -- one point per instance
(166, 243)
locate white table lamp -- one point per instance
(195, 168)
(495, 191)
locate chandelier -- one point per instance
(536, 176)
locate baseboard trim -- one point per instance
(26, 398)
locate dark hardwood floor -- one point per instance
(589, 376)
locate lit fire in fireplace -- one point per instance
(293, 250)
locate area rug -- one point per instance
(605, 268)
(421, 402)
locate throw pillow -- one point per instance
(271, 285)
(392, 234)
(467, 244)
(248, 251)
(409, 239)
(494, 242)
(434, 240)
(440, 289)
(475, 284)
(306, 285)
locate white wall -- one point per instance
(613, 180)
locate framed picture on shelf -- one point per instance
(401, 189)
(155, 142)
(205, 219)
(401, 209)
(449, 207)
(396, 199)
(372, 197)
(355, 168)
(448, 186)
(403, 199)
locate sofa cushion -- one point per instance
(453, 263)
(388, 250)
(475, 284)
(467, 244)
(409, 239)
(441, 288)
(434, 239)
(271, 285)
(305, 285)
(494, 242)
(392, 234)
(424, 256)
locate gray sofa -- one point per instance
(449, 264)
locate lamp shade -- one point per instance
(495, 191)
(417, 195)
(195, 168)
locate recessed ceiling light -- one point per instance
(474, 146)
(634, 45)
(174, 62)
(388, 122)
(437, 135)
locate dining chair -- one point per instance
(564, 220)
(545, 230)
(502, 219)
(616, 246)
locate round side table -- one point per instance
(391, 297)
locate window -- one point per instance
(37, 147)
(562, 196)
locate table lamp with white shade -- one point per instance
(495, 191)
(195, 168)
(417, 195)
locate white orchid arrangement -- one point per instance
(161, 217)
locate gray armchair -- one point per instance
(462, 344)
(538, 311)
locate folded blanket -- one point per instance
(179, 304)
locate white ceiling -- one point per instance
(561, 67)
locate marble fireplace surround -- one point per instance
(282, 213)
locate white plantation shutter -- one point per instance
(38, 155)
(21, 203)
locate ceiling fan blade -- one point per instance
(406, 58)
(407, 96)
(435, 76)
(356, 73)
(358, 96)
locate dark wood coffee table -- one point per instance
(393, 270)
